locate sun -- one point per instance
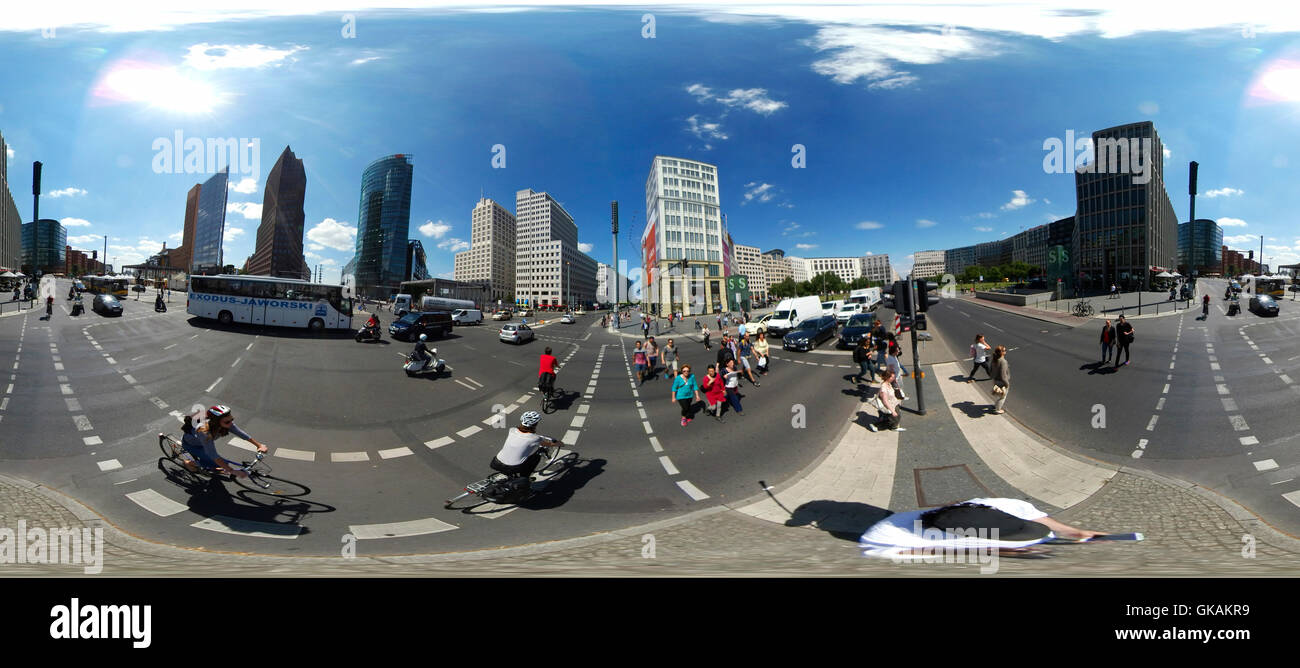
(133, 81)
(1278, 82)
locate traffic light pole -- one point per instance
(916, 355)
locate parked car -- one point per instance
(809, 333)
(138, 288)
(410, 326)
(1263, 305)
(516, 333)
(106, 305)
(502, 315)
(855, 329)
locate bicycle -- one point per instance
(259, 477)
(1083, 309)
(549, 394)
(491, 488)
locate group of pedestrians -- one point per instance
(995, 364)
(720, 384)
(1116, 340)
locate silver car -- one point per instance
(516, 333)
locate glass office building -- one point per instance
(383, 220)
(1200, 247)
(210, 225)
(417, 267)
(1125, 227)
(44, 246)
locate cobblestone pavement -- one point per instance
(1187, 535)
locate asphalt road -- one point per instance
(372, 446)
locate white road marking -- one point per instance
(156, 503)
(654, 443)
(439, 442)
(1249, 440)
(399, 529)
(1160, 404)
(1267, 360)
(570, 437)
(109, 465)
(170, 347)
(465, 385)
(1214, 366)
(648, 430)
(1285, 378)
(82, 422)
(469, 431)
(159, 403)
(349, 457)
(1265, 465)
(58, 366)
(697, 495)
(668, 465)
(1223, 389)
(578, 421)
(582, 409)
(128, 378)
(1151, 426)
(214, 384)
(249, 346)
(237, 359)
(1229, 404)
(65, 388)
(93, 440)
(393, 453)
(1166, 390)
(301, 455)
(1238, 423)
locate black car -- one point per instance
(856, 329)
(809, 333)
(107, 305)
(410, 326)
(1263, 305)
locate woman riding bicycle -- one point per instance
(547, 371)
(520, 455)
(200, 442)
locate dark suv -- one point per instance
(410, 326)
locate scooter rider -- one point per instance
(421, 352)
(158, 304)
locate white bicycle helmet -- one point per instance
(530, 419)
(424, 337)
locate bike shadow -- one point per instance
(557, 489)
(211, 498)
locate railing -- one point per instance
(19, 305)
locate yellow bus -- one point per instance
(1269, 285)
(107, 285)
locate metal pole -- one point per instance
(916, 355)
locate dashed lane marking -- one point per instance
(300, 455)
(393, 453)
(158, 402)
(399, 529)
(109, 465)
(93, 440)
(439, 442)
(1238, 423)
(214, 384)
(1265, 465)
(156, 503)
(469, 431)
(1249, 440)
(349, 457)
(668, 465)
(697, 495)
(82, 422)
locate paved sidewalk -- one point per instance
(1153, 305)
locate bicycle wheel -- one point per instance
(171, 449)
(557, 463)
(259, 481)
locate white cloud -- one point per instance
(925, 223)
(585, 248)
(1239, 239)
(315, 247)
(1222, 192)
(704, 129)
(232, 233)
(1167, 153)
(313, 256)
(249, 210)
(754, 99)
(334, 234)
(985, 214)
(453, 245)
(75, 222)
(1148, 108)
(246, 185)
(9, 150)
(329, 262)
(1018, 199)
(447, 274)
(176, 236)
(363, 61)
(871, 52)
(435, 230)
(869, 225)
(983, 229)
(86, 240)
(228, 56)
(805, 246)
(1231, 222)
(66, 192)
(762, 191)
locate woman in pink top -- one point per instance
(889, 418)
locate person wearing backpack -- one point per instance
(862, 357)
(724, 351)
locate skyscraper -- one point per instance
(549, 268)
(279, 237)
(417, 267)
(209, 225)
(1125, 228)
(11, 244)
(683, 222)
(44, 246)
(491, 255)
(1200, 244)
(383, 222)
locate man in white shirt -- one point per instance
(520, 455)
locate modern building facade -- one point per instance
(749, 263)
(1200, 247)
(417, 265)
(956, 260)
(549, 268)
(684, 253)
(11, 222)
(929, 263)
(776, 267)
(383, 224)
(492, 254)
(475, 291)
(847, 268)
(209, 226)
(799, 269)
(44, 244)
(78, 263)
(1235, 263)
(1125, 228)
(877, 268)
(279, 238)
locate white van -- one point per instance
(790, 312)
(847, 311)
(467, 316)
(832, 308)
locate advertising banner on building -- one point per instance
(738, 293)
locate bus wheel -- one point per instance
(316, 325)
(225, 318)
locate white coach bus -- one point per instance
(266, 300)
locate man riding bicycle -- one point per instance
(520, 455)
(200, 442)
(547, 371)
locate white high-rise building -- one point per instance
(798, 269)
(683, 223)
(877, 268)
(549, 268)
(926, 264)
(847, 268)
(776, 268)
(749, 263)
(491, 256)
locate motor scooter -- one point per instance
(416, 367)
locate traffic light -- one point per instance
(899, 298)
(924, 300)
(920, 322)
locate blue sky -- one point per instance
(923, 126)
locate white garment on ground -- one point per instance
(896, 534)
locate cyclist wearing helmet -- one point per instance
(201, 442)
(519, 456)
